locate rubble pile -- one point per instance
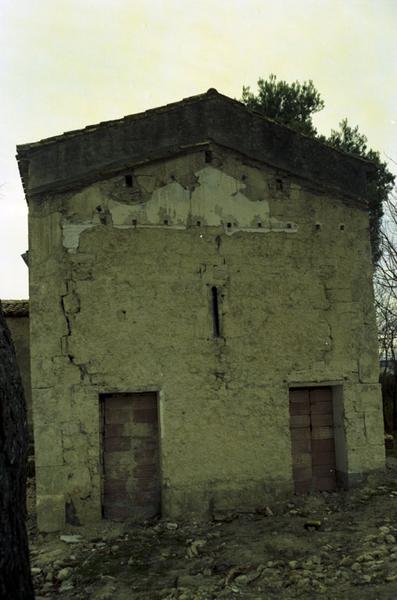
(331, 545)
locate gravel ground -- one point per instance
(279, 551)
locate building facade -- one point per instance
(202, 323)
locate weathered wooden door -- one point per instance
(312, 439)
(131, 476)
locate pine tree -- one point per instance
(294, 104)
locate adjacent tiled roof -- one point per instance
(15, 308)
(82, 156)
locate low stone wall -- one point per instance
(17, 317)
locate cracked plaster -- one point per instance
(129, 309)
(217, 199)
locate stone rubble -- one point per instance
(253, 555)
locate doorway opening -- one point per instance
(131, 486)
(312, 439)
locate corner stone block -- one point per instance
(368, 368)
(48, 446)
(51, 406)
(50, 481)
(50, 513)
(378, 457)
(80, 483)
(374, 427)
(43, 375)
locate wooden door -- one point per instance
(131, 476)
(312, 439)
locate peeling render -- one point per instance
(217, 199)
(122, 280)
(71, 234)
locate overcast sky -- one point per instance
(65, 64)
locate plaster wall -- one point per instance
(120, 288)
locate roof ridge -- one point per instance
(134, 116)
(21, 148)
(160, 131)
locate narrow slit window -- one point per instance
(215, 311)
(128, 181)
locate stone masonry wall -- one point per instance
(19, 328)
(121, 273)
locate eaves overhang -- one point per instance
(82, 156)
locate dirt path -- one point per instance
(263, 556)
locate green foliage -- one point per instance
(291, 104)
(349, 139)
(294, 104)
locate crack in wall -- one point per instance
(70, 303)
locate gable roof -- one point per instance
(82, 156)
